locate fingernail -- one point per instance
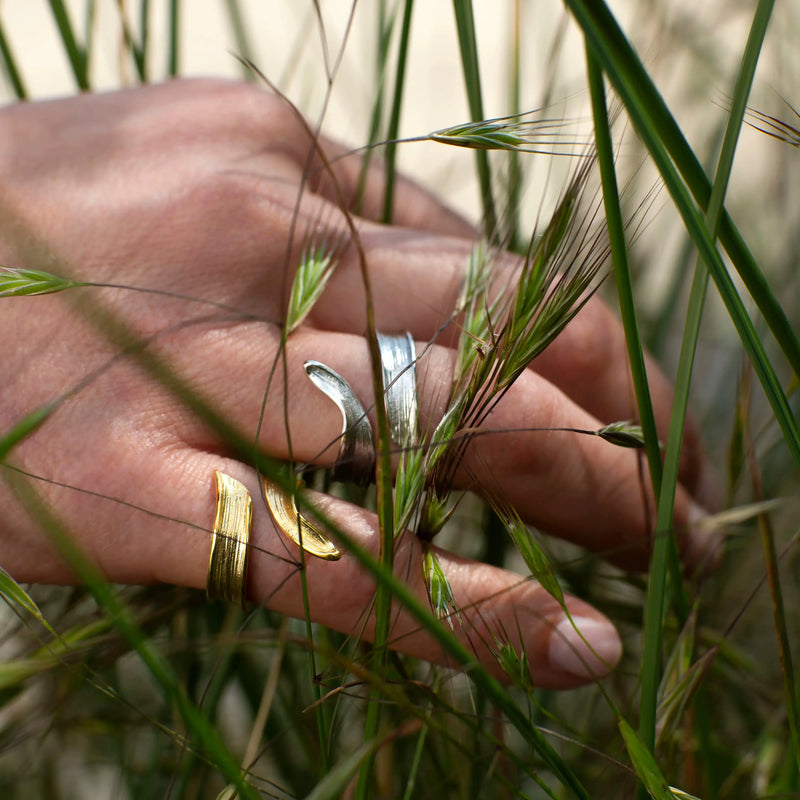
(584, 647)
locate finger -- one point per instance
(333, 171)
(416, 281)
(576, 486)
(495, 606)
(151, 519)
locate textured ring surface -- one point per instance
(398, 360)
(227, 562)
(356, 461)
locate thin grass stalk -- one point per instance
(654, 611)
(468, 47)
(511, 233)
(10, 65)
(653, 139)
(779, 618)
(653, 118)
(416, 760)
(144, 39)
(137, 49)
(385, 29)
(394, 117)
(244, 47)
(202, 730)
(173, 57)
(75, 53)
(622, 275)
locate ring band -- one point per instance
(227, 562)
(398, 361)
(356, 460)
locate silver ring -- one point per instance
(398, 360)
(356, 461)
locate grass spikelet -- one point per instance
(317, 264)
(19, 282)
(622, 434)
(561, 267)
(501, 335)
(520, 133)
(409, 484)
(440, 592)
(514, 664)
(535, 558)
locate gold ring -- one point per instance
(227, 563)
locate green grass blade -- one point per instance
(622, 275)
(781, 628)
(75, 53)
(393, 129)
(11, 68)
(244, 47)
(334, 784)
(664, 522)
(699, 233)
(173, 62)
(144, 38)
(468, 47)
(25, 427)
(512, 213)
(652, 117)
(15, 595)
(385, 28)
(645, 765)
(137, 49)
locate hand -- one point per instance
(191, 188)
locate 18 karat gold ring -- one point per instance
(230, 543)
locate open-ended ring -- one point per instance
(356, 460)
(227, 561)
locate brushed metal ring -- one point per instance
(356, 460)
(398, 361)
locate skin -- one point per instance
(192, 188)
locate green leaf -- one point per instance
(15, 595)
(25, 427)
(335, 782)
(645, 765)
